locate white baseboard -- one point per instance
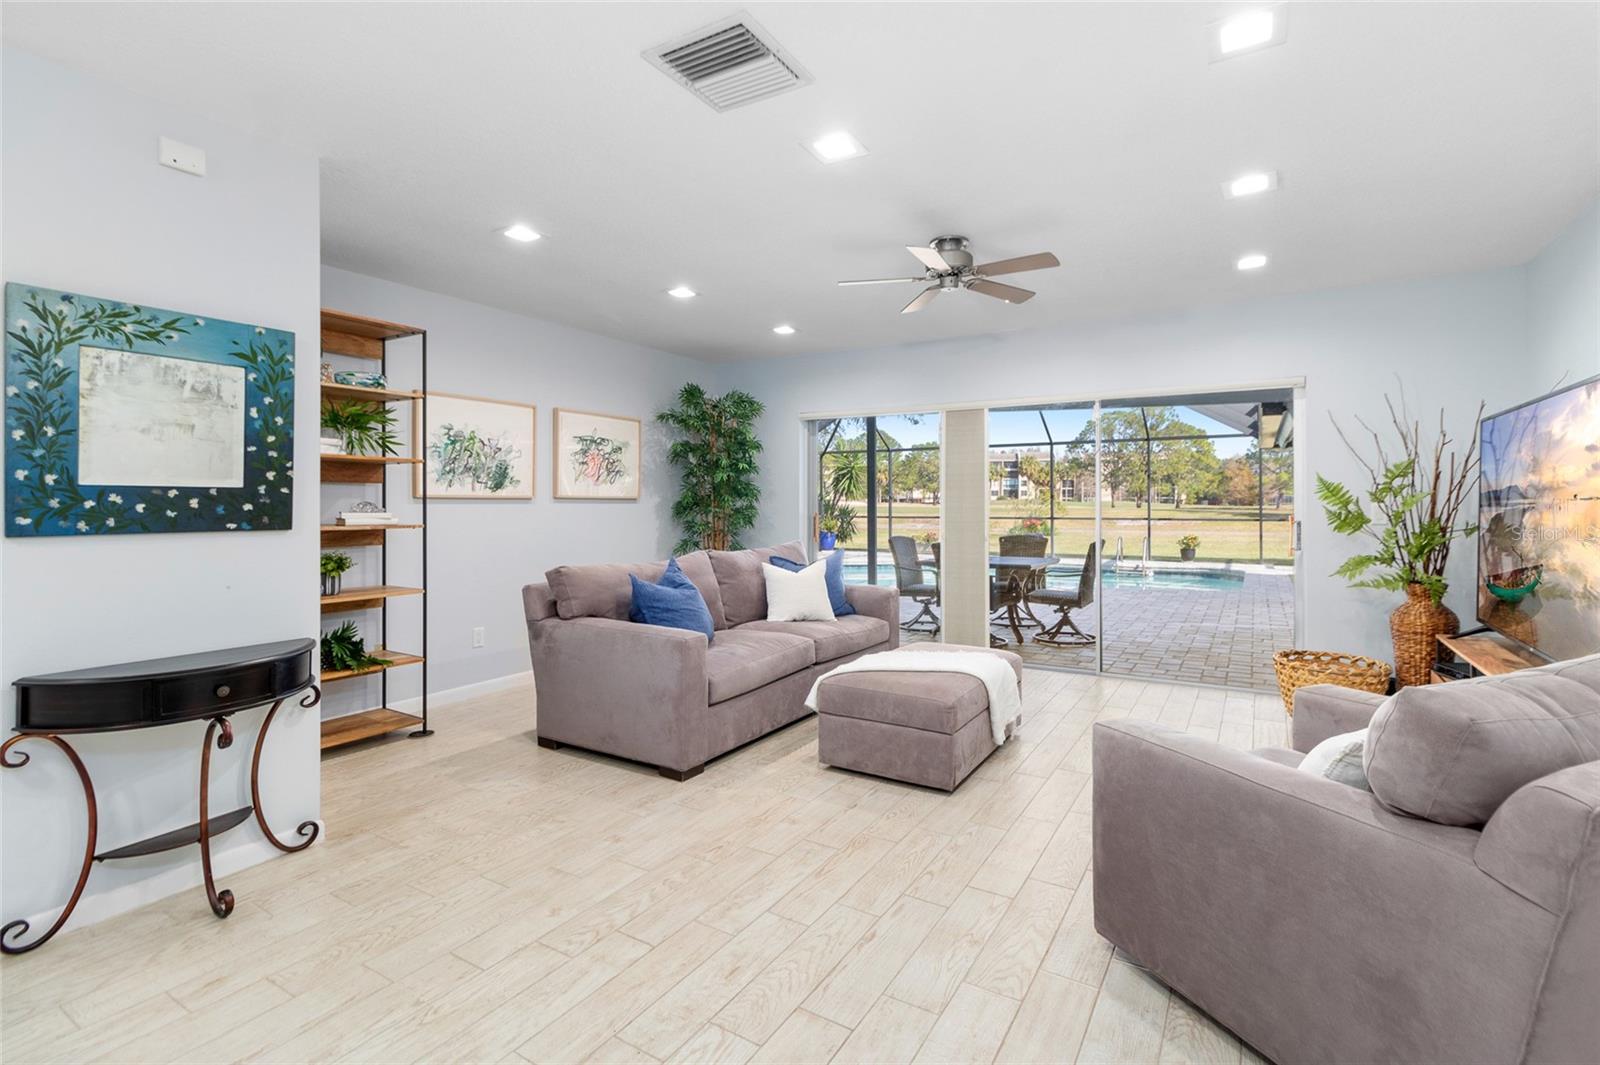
(475, 690)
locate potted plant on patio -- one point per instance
(1417, 496)
(334, 564)
(827, 531)
(1187, 546)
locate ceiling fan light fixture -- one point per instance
(523, 234)
(836, 147)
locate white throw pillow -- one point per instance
(1340, 758)
(799, 596)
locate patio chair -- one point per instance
(1012, 586)
(1065, 631)
(908, 578)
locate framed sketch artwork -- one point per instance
(596, 455)
(129, 419)
(474, 448)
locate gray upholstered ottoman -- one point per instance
(923, 728)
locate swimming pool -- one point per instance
(1199, 580)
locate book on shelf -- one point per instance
(366, 517)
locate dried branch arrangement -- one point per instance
(1416, 495)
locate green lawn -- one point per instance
(1226, 533)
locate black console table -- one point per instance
(163, 691)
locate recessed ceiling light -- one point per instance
(783, 330)
(683, 292)
(526, 234)
(1250, 184)
(1254, 261)
(1249, 31)
(836, 147)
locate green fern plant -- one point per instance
(1416, 501)
(716, 450)
(363, 428)
(344, 649)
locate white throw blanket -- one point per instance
(1005, 694)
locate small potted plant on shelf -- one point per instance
(343, 649)
(363, 428)
(828, 532)
(1187, 546)
(334, 564)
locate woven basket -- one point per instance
(1298, 668)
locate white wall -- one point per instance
(86, 208)
(1449, 342)
(481, 553)
(1563, 309)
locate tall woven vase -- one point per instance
(1415, 626)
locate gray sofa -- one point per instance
(1453, 916)
(663, 696)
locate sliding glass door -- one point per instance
(1188, 503)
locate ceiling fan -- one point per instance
(948, 262)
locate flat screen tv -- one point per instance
(1539, 523)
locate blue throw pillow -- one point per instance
(835, 574)
(674, 602)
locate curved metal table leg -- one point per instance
(221, 901)
(19, 928)
(309, 829)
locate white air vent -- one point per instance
(730, 63)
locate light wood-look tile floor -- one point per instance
(478, 898)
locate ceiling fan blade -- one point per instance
(883, 281)
(1041, 261)
(928, 257)
(923, 298)
(1009, 293)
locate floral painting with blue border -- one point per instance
(130, 419)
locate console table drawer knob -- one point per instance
(223, 691)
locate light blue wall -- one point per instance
(1564, 308)
(87, 209)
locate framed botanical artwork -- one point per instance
(121, 418)
(596, 455)
(473, 448)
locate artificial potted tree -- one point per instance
(334, 565)
(716, 451)
(1416, 496)
(1187, 546)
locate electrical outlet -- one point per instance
(477, 636)
(184, 157)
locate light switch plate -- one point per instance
(184, 157)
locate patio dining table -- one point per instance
(1017, 605)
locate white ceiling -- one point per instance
(1412, 139)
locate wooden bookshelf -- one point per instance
(362, 394)
(396, 659)
(361, 469)
(359, 336)
(365, 725)
(365, 598)
(362, 337)
(361, 535)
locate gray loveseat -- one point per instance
(663, 696)
(1323, 925)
